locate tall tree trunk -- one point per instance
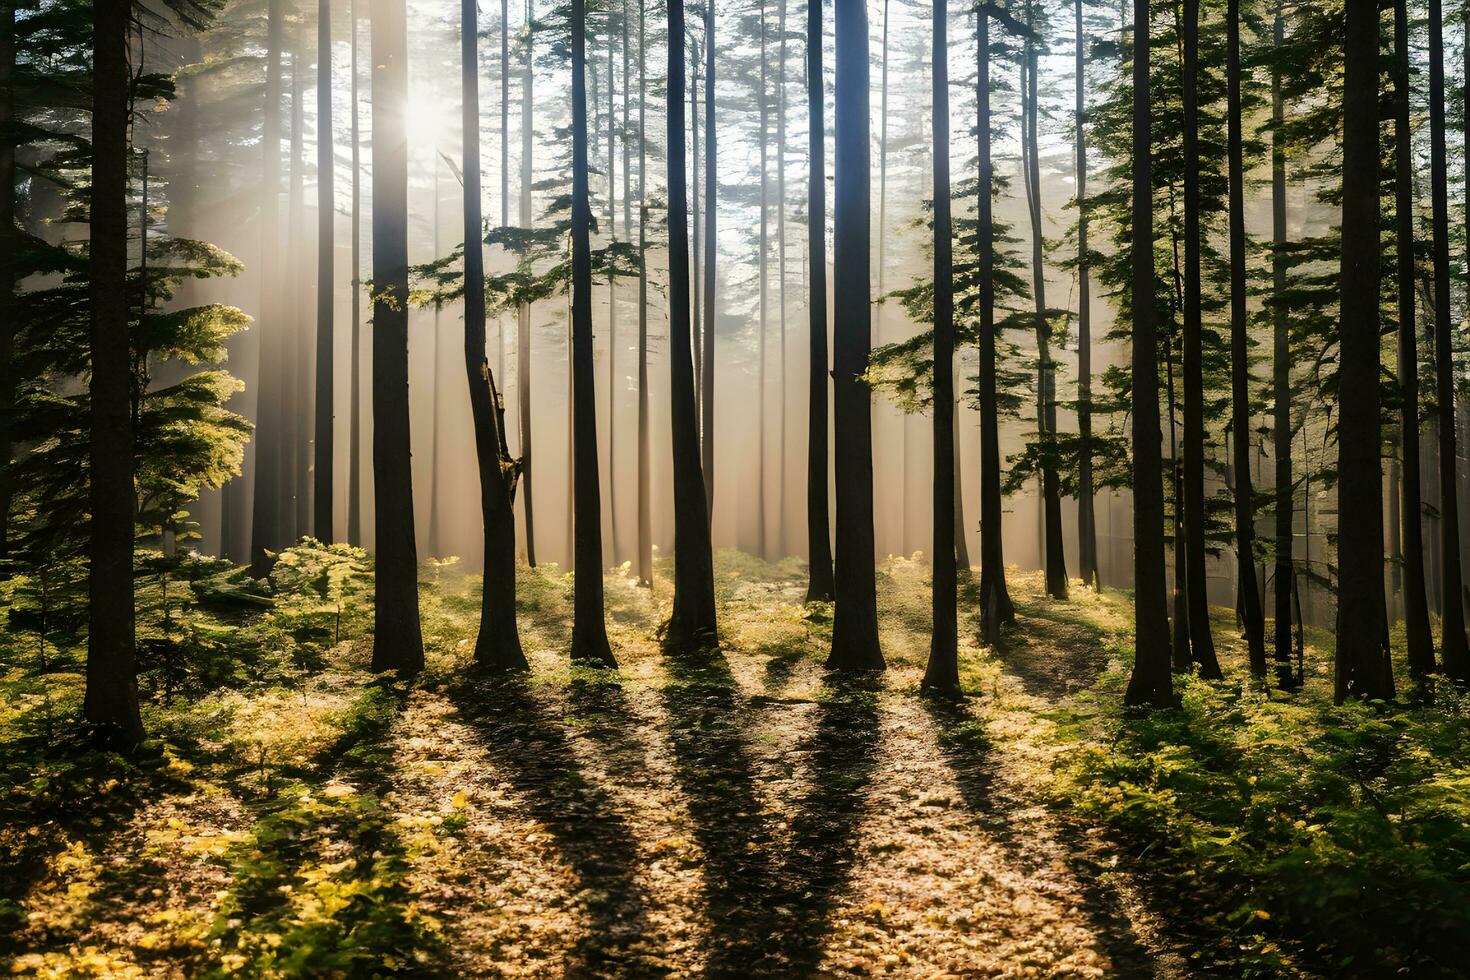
(1201, 643)
(818, 535)
(1240, 379)
(996, 609)
(497, 645)
(1418, 637)
(265, 523)
(1362, 667)
(523, 311)
(111, 702)
(692, 625)
(9, 242)
(298, 400)
(855, 621)
(781, 545)
(397, 641)
(762, 272)
(695, 213)
(942, 671)
(354, 400)
(1046, 404)
(1151, 682)
(1285, 574)
(1453, 650)
(438, 448)
(612, 302)
(326, 210)
(711, 279)
(1086, 516)
(589, 631)
(645, 504)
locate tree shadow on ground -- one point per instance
(1051, 653)
(767, 911)
(526, 739)
(965, 744)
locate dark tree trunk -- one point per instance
(1285, 574)
(943, 671)
(296, 486)
(1201, 643)
(711, 213)
(612, 304)
(818, 534)
(354, 400)
(265, 522)
(1418, 636)
(326, 209)
(8, 246)
(1054, 556)
(645, 505)
(692, 625)
(996, 608)
(589, 631)
(1362, 664)
(1240, 379)
(497, 645)
(855, 621)
(1086, 516)
(523, 312)
(112, 687)
(397, 641)
(762, 272)
(1151, 682)
(1454, 653)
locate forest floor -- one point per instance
(750, 816)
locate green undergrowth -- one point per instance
(1290, 835)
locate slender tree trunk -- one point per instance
(354, 424)
(111, 702)
(438, 449)
(645, 504)
(523, 311)
(1086, 516)
(1453, 649)
(1201, 643)
(711, 279)
(1285, 574)
(762, 273)
(1151, 682)
(1419, 639)
(855, 621)
(9, 242)
(818, 535)
(943, 671)
(497, 645)
(695, 213)
(298, 401)
(996, 609)
(1362, 667)
(1240, 379)
(589, 631)
(781, 546)
(265, 523)
(612, 301)
(397, 640)
(1046, 422)
(692, 625)
(326, 208)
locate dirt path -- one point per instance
(749, 817)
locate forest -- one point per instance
(996, 502)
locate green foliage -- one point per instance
(1328, 839)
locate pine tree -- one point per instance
(1150, 682)
(1362, 635)
(819, 545)
(326, 207)
(692, 625)
(589, 631)
(855, 643)
(397, 640)
(112, 688)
